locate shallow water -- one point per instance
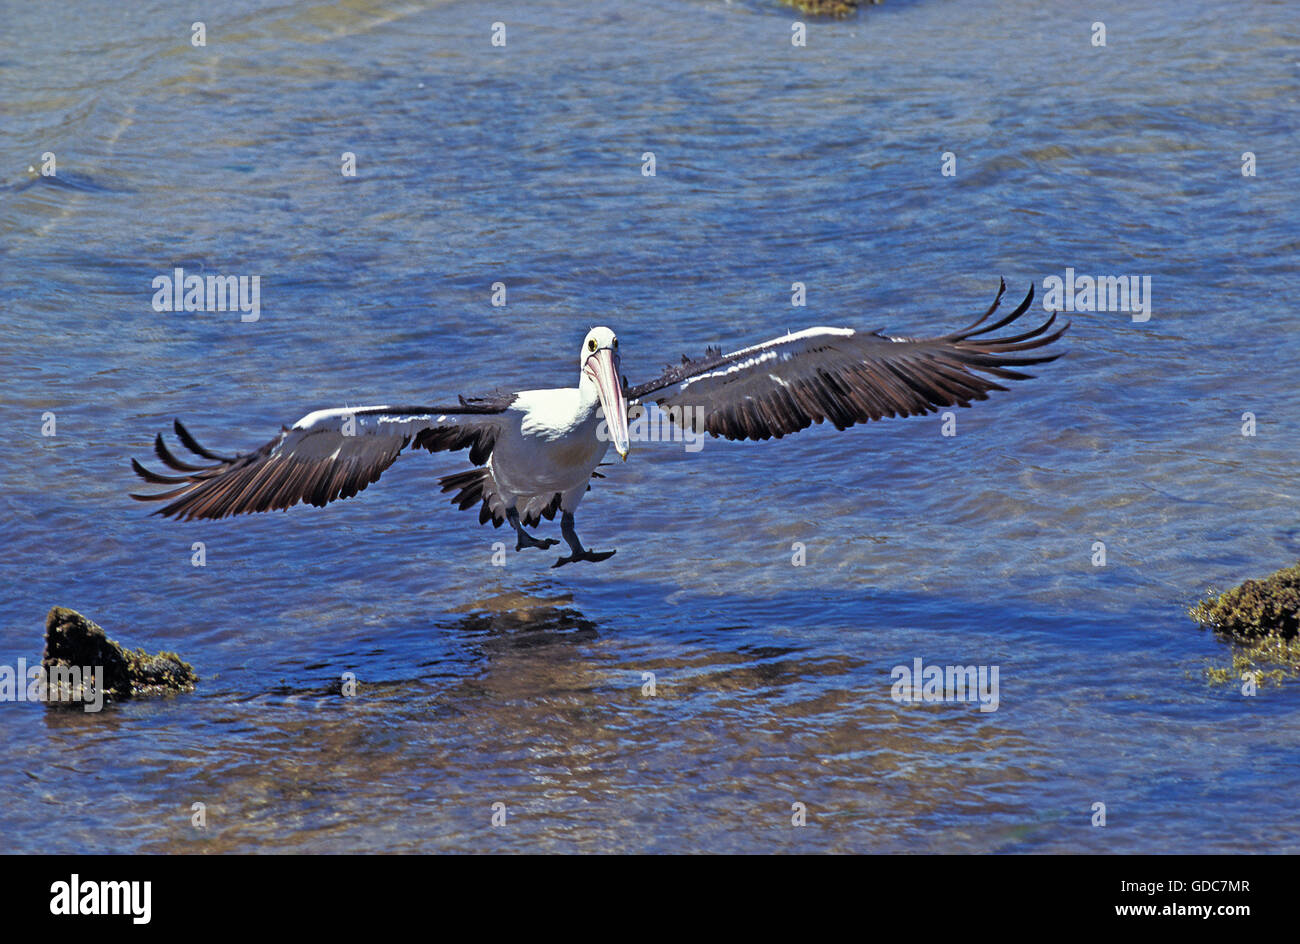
(522, 685)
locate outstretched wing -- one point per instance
(845, 376)
(326, 455)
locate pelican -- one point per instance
(535, 452)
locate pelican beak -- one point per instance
(602, 367)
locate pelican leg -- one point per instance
(525, 539)
(580, 553)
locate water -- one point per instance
(522, 685)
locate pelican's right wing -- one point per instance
(326, 455)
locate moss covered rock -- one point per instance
(72, 640)
(1262, 620)
(1256, 609)
(836, 8)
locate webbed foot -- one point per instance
(527, 540)
(584, 556)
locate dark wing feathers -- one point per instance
(450, 438)
(846, 376)
(192, 445)
(325, 456)
(168, 459)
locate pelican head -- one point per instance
(599, 362)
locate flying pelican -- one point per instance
(536, 451)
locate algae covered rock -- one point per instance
(1262, 620)
(1256, 609)
(835, 8)
(74, 642)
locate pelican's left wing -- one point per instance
(326, 455)
(845, 376)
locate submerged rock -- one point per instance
(72, 641)
(1262, 619)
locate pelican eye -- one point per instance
(591, 345)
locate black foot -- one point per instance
(583, 556)
(527, 540)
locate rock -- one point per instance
(71, 640)
(1256, 609)
(835, 8)
(1262, 620)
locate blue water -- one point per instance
(522, 685)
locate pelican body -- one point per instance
(536, 451)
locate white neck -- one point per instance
(587, 392)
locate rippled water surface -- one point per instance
(523, 685)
